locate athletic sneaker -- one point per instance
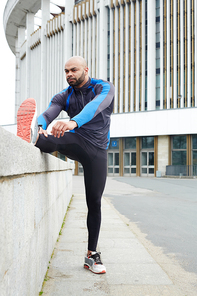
(27, 127)
(94, 264)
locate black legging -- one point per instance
(94, 162)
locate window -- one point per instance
(147, 142)
(179, 150)
(194, 149)
(130, 143)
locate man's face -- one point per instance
(76, 75)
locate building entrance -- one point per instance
(129, 163)
(147, 163)
(113, 163)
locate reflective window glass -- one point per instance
(110, 158)
(127, 159)
(144, 158)
(147, 142)
(194, 157)
(133, 158)
(157, 80)
(116, 158)
(158, 37)
(157, 53)
(178, 157)
(194, 141)
(151, 170)
(126, 171)
(130, 143)
(158, 93)
(110, 170)
(179, 142)
(151, 158)
(116, 170)
(157, 63)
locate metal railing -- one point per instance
(181, 170)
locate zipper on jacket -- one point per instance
(82, 98)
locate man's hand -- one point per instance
(44, 132)
(60, 127)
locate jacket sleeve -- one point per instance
(56, 105)
(102, 100)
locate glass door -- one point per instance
(129, 163)
(113, 163)
(147, 163)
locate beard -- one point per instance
(76, 81)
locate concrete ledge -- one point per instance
(35, 190)
(19, 157)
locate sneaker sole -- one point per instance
(25, 116)
(87, 267)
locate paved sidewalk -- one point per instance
(131, 270)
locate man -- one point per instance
(89, 103)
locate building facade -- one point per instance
(145, 48)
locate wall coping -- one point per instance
(24, 158)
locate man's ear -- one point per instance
(86, 70)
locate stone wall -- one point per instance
(35, 190)
(163, 153)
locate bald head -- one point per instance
(76, 71)
(77, 60)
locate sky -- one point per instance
(7, 85)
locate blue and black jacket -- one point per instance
(89, 106)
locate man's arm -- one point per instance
(55, 107)
(101, 101)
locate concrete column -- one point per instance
(143, 57)
(195, 13)
(90, 46)
(111, 46)
(161, 57)
(103, 41)
(45, 7)
(86, 41)
(168, 54)
(93, 46)
(137, 87)
(30, 30)
(182, 53)
(82, 39)
(116, 60)
(151, 56)
(97, 45)
(19, 42)
(188, 54)
(132, 57)
(121, 70)
(78, 38)
(127, 40)
(175, 55)
(68, 31)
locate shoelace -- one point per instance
(97, 258)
